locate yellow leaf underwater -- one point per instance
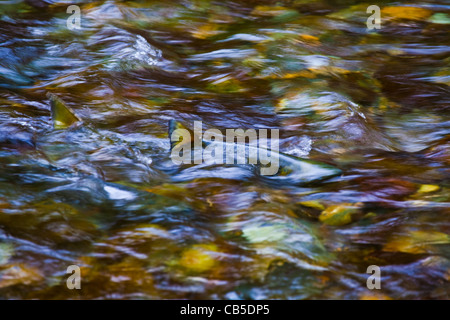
(207, 30)
(416, 242)
(404, 12)
(199, 258)
(338, 215)
(312, 40)
(313, 204)
(374, 296)
(428, 188)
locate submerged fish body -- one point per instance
(291, 169)
(297, 170)
(83, 148)
(288, 169)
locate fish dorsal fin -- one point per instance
(62, 115)
(174, 125)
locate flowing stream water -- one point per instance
(106, 196)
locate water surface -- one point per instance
(106, 196)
